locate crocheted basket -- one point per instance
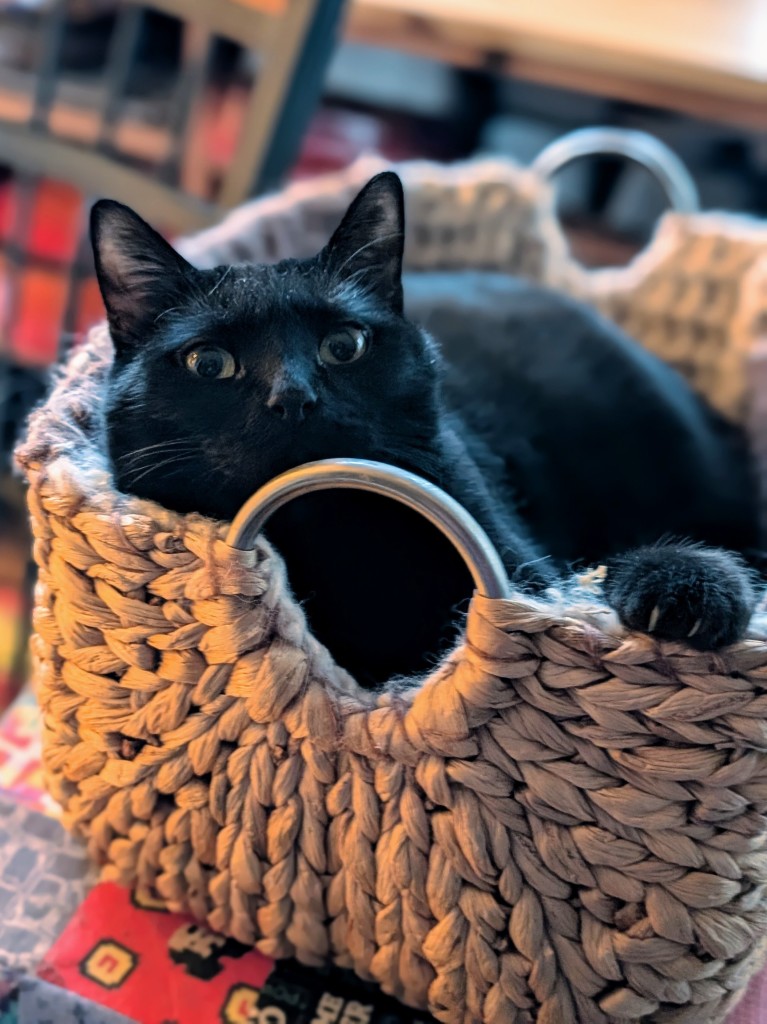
(562, 824)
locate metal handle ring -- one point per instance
(460, 528)
(665, 166)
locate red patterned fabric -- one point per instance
(41, 223)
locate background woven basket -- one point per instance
(562, 824)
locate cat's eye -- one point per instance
(210, 363)
(343, 346)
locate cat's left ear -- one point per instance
(140, 275)
(368, 245)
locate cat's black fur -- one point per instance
(566, 440)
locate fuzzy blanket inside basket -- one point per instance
(563, 824)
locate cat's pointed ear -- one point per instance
(367, 246)
(140, 275)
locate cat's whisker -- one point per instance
(165, 312)
(178, 459)
(153, 450)
(159, 449)
(147, 464)
(158, 444)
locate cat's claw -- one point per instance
(654, 616)
(681, 592)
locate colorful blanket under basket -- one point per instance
(562, 823)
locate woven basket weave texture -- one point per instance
(563, 824)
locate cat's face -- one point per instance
(224, 378)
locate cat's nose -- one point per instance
(291, 402)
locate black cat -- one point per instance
(567, 441)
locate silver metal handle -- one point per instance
(466, 535)
(644, 149)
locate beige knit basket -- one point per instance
(562, 824)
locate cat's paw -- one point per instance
(704, 596)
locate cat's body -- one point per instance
(605, 447)
(587, 477)
(565, 440)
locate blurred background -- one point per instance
(186, 108)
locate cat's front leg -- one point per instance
(529, 571)
(533, 576)
(703, 596)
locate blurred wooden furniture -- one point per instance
(703, 57)
(91, 131)
(131, 99)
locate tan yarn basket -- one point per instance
(562, 824)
